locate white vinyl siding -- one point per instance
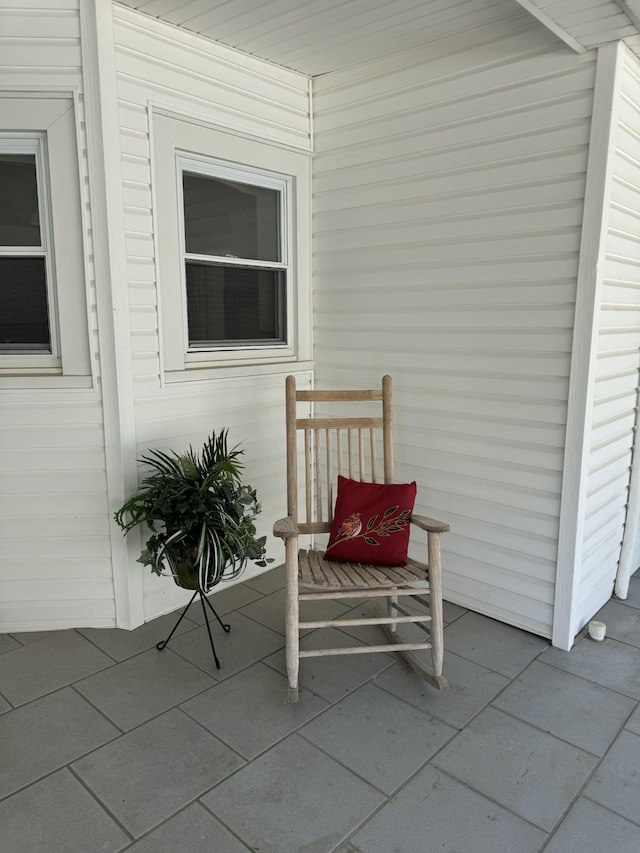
(617, 359)
(55, 558)
(447, 211)
(173, 80)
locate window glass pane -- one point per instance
(228, 304)
(19, 220)
(228, 219)
(24, 320)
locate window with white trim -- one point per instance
(44, 319)
(25, 255)
(235, 256)
(233, 225)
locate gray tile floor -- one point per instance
(107, 744)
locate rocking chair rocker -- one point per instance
(351, 447)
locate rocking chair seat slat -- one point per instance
(317, 573)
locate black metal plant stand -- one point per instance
(203, 600)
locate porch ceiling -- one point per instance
(319, 36)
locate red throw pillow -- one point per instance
(371, 522)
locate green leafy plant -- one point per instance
(199, 515)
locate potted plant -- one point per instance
(200, 517)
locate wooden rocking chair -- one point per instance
(352, 446)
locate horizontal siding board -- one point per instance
(455, 77)
(540, 548)
(36, 460)
(487, 178)
(52, 53)
(62, 590)
(64, 546)
(52, 526)
(51, 568)
(46, 615)
(40, 22)
(484, 224)
(59, 436)
(466, 590)
(509, 199)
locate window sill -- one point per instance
(40, 380)
(230, 370)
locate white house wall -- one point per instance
(55, 559)
(448, 199)
(617, 358)
(163, 69)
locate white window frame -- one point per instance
(251, 177)
(35, 144)
(175, 138)
(51, 118)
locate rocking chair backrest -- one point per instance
(321, 447)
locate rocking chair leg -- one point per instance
(292, 627)
(160, 646)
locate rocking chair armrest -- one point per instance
(429, 524)
(285, 528)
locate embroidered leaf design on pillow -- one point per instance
(390, 523)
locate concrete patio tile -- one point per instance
(633, 723)
(269, 581)
(57, 814)
(333, 676)
(616, 783)
(47, 665)
(575, 710)
(120, 644)
(270, 610)
(379, 737)
(228, 710)
(246, 643)
(293, 798)
(532, 773)
(46, 734)
(154, 771)
(8, 644)
(451, 611)
(609, 663)
(622, 621)
(435, 812)
(471, 688)
(27, 637)
(194, 830)
(372, 635)
(633, 596)
(134, 691)
(4, 706)
(588, 828)
(492, 644)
